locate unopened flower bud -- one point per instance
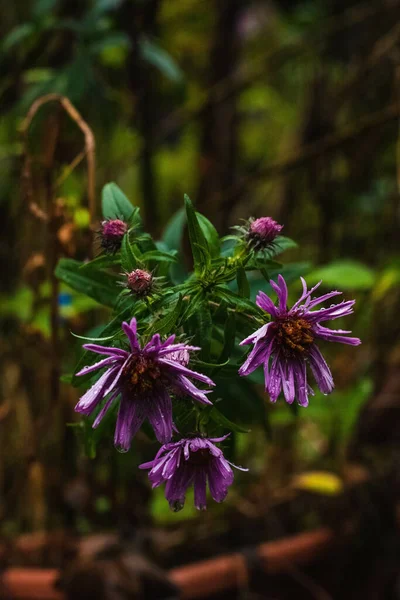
(262, 232)
(112, 233)
(140, 282)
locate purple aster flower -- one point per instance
(288, 342)
(145, 378)
(191, 461)
(111, 234)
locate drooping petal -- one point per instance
(90, 399)
(300, 377)
(220, 477)
(105, 408)
(321, 371)
(159, 413)
(275, 379)
(288, 386)
(255, 358)
(181, 369)
(130, 417)
(200, 495)
(175, 489)
(186, 386)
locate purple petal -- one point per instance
(130, 332)
(90, 399)
(323, 298)
(176, 348)
(160, 415)
(220, 477)
(200, 495)
(265, 302)
(305, 295)
(181, 369)
(256, 357)
(275, 379)
(282, 293)
(186, 386)
(105, 408)
(320, 370)
(256, 336)
(288, 385)
(333, 312)
(131, 415)
(103, 363)
(175, 489)
(300, 377)
(336, 335)
(108, 350)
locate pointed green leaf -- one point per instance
(166, 324)
(101, 262)
(197, 239)
(128, 259)
(243, 284)
(210, 233)
(224, 422)
(115, 204)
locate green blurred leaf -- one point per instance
(101, 262)
(345, 275)
(224, 422)
(17, 35)
(165, 325)
(159, 58)
(115, 204)
(94, 284)
(173, 233)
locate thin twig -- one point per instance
(90, 146)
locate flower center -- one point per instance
(140, 374)
(293, 334)
(199, 458)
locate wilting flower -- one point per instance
(139, 282)
(145, 378)
(289, 342)
(191, 461)
(111, 234)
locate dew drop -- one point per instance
(121, 449)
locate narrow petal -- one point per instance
(305, 295)
(200, 494)
(110, 360)
(130, 332)
(160, 415)
(256, 336)
(333, 312)
(281, 291)
(220, 477)
(176, 348)
(320, 370)
(256, 357)
(265, 302)
(323, 298)
(90, 399)
(105, 408)
(300, 377)
(131, 415)
(288, 385)
(175, 489)
(186, 386)
(107, 350)
(275, 379)
(336, 335)
(181, 369)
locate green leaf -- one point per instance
(243, 284)
(204, 329)
(158, 256)
(128, 259)
(173, 233)
(160, 59)
(224, 422)
(115, 204)
(165, 325)
(284, 243)
(345, 275)
(210, 233)
(17, 35)
(101, 262)
(94, 284)
(197, 238)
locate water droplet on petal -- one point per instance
(176, 506)
(121, 449)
